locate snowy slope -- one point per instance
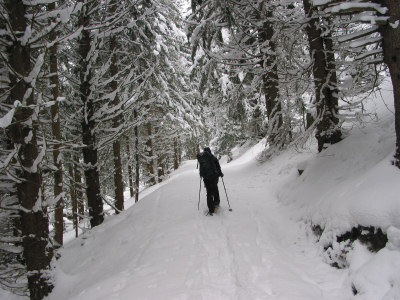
(163, 248)
(354, 183)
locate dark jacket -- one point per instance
(216, 163)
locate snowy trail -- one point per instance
(271, 257)
(163, 248)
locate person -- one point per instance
(210, 171)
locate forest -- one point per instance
(102, 96)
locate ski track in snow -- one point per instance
(163, 248)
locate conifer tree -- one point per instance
(118, 182)
(243, 38)
(381, 16)
(56, 131)
(90, 156)
(22, 156)
(324, 73)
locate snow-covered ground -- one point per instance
(164, 248)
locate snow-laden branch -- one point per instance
(365, 42)
(358, 34)
(353, 6)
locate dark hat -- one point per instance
(207, 149)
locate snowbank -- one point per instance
(354, 183)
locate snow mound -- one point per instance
(353, 183)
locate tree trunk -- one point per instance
(150, 154)
(130, 171)
(331, 65)
(270, 79)
(328, 131)
(180, 155)
(160, 168)
(75, 192)
(176, 154)
(34, 225)
(78, 189)
(137, 162)
(118, 182)
(74, 201)
(196, 149)
(56, 130)
(391, 54)
(89, 150)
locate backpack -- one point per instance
(207, 165)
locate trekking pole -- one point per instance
(227, 199)
(198, 204)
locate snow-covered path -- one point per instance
(257, 251)
(163, 248)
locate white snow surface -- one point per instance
(164, 248)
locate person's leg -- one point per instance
(215, 191)
(216, 196)
(210, 193)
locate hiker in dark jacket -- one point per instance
(210, 171)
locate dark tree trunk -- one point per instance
(391, 54)
(56, 130)
(176, 154)
(160, 168)
(118, 181)
(150, 154)
(33, 223)
(137, 162)
(328, 131)
(78, 188)
(119, 185)
(196, 149)
(89, 150)
(74, 201)
(270, 79)
(331, 66)
(130, 171)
